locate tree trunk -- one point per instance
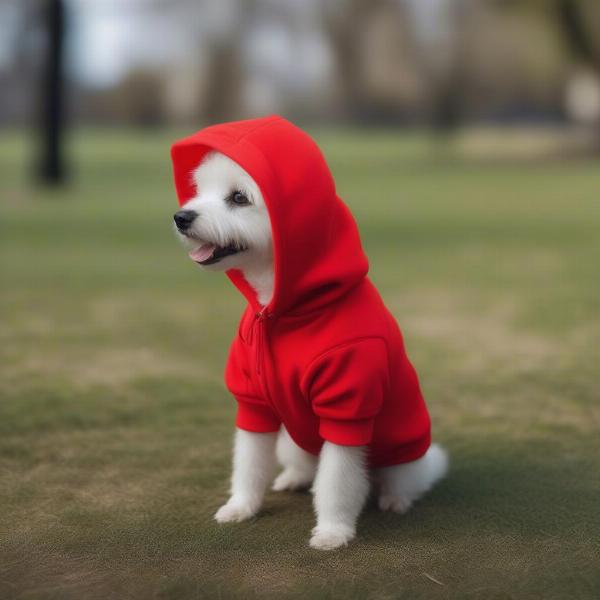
(573, 26)
(579, 38)
(52, 168)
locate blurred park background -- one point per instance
(465, 137)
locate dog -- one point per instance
(340, 431)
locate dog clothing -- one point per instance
(325, 358)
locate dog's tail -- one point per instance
(404, 484)
(436, 463)
(416, 478)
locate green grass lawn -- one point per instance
(115, 426)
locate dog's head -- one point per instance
(226, 224)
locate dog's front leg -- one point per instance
(253, 470)
(340, 491)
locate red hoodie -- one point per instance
(325, 358)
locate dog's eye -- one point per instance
(239, 199)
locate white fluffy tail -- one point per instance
(401, 485)
(437, 462)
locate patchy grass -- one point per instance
(115, 427)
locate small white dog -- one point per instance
(226, 225)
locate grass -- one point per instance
(115, 427)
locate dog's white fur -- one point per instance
(339, 476)
(218, 223)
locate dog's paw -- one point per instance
(332, 537)
(397, 504)
(291, 480)
(235, 511)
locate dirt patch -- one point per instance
(107, 367)
(482, 339)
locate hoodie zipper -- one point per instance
(260, 318)
(259, 332)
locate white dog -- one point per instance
(226, 225)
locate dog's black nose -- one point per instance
(184, 218)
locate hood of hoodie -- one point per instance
(317, 252)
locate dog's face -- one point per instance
(226, 225)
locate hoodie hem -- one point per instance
(405, 454)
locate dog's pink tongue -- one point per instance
(201, 254)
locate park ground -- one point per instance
(115, 427)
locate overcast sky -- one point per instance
(107, 37)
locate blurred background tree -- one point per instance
(52, 168)
(442, 63)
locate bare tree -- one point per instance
(437, 31)
(344, 23)
(52, 168)
(579, 37)
(573, 24)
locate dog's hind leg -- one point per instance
(299, 466)
(401, 485)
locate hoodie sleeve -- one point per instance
(346, 386)
(253, 413)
